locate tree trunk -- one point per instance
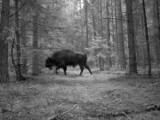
(4, 73)
(158, 18)
(108, 58)
(82, 27)
(122, 60)
(116, 37)
(136, 21)
(101, 63)
(93, 19)
(131, 40)
(156, 32)
(101, 59)
(86, 21)
(18, 44)
(113, 31)
(147, 39)
(101, 18)
(24, 44)
(35, 67)
(141, 42)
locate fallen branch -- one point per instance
(127, 116)
(152, 108)
(126, 113)
(56, 117)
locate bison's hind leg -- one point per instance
(88, 68)
(56, 70)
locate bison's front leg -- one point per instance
(65, 69)
(57, 70)
(82, 68)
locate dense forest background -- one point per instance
(121, 39)
(115, 34)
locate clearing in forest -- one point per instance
(105, 95)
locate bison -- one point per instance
(64, 58)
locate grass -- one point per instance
(95, 96)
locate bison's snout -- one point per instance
(49, 67)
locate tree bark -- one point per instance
(93, 19)
(116, 37)
(86, 21)
(136, 23)
(24, 44)
(35, 67)
(147, 39)
(18, 43)
(101, 18)
(156, 32)
(113, 31)
(4, 26)
(108, 36)
(158, 18)
(101, 59)
(122, 60)
(131, 39)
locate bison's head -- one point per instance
(49, 63)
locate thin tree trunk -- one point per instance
(116, 36)
(136, 21)
(101, 59)
(158, 19)
(122, 60)
(98, 18)
(112, 10)
(101, 19)
(93, 19)
(141, 42)
(108, 37)
(156, 33)
(86, 21)
(82, 27)
(113, 30)
(147, 39)
(35, 67)
(131, 39)
(24, 43)
(18, 67)
(4, 73)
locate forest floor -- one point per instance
(105, 95)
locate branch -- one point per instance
(54, 117)
(69, 109)
(18, 9)
(127, 116)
